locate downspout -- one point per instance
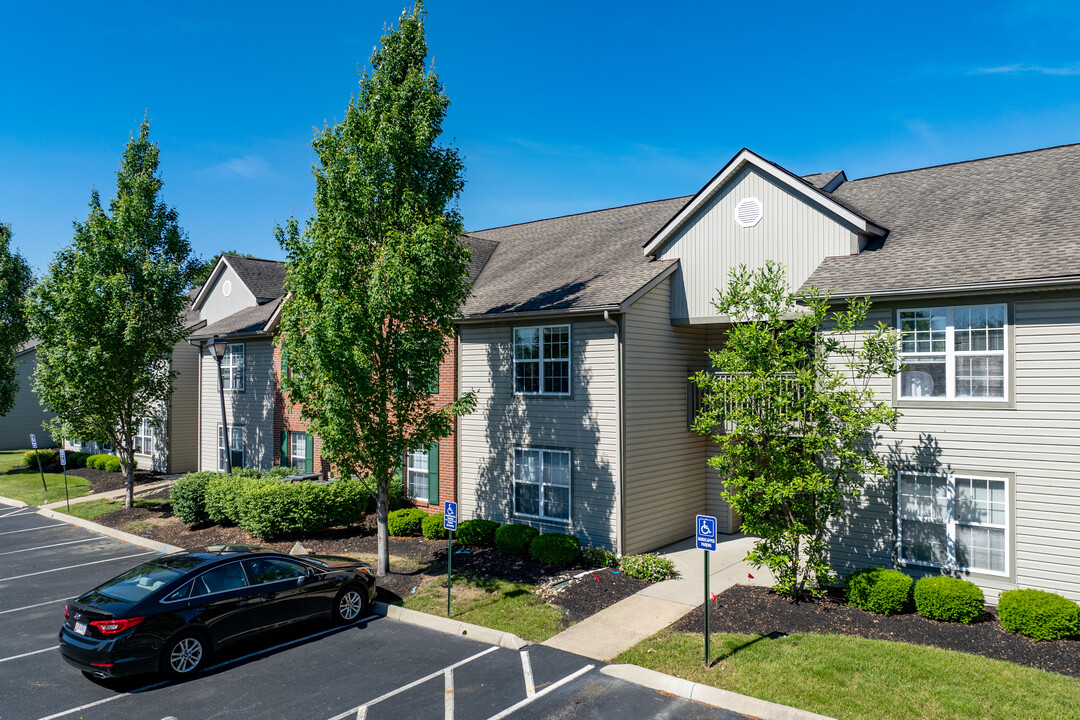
(619, 476)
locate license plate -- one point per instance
(80, 627)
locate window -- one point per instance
(144, 437)
(542, 483)
(953, 353)
(236, 444)
(271, 570)
(542, 360)
(298, 451)
(220, 579)
(416, 472)
(232, 367)
(953, 521)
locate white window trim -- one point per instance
(542, 361)
(147, 440)
(232, 441)
(951, 522)
(542, 485)
(409, 470)
(950, 354)
(302, 457)
(232, 375)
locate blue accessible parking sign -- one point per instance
(450, 515)
(705, 529)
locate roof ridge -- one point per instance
(965, 162)
(569, 215)
(249, 257)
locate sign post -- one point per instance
(33, 443)
(705, 531)
(63, 464)
(450, 523)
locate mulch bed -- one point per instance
(758, 611)
(103, 481)
(419, 560)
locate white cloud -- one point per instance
(249, 167)
(1018, 68)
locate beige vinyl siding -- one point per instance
(585, 423)
(252, 408)
(216, 305)
(183, 421)
(1037, 444)
(27, 414)
(792, 230)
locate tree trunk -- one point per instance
(382, 510)
(129, 483)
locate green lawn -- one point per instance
(24, 483)
(847, 677)
(90, 509)
(498, 604)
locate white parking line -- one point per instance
(9, 513)
(42, 547)
(569, 678)
(28, 607)
(233, 661)
(526, 669)
(360, 712)
(35, 652)
(87, 706)
(448, 695)
(39, 527)
(72, 567)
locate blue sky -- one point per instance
(557, 107)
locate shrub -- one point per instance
(649, 567)
(188, 497)
(432, 527)
(1038, 614)
(269, 508)
(277, 472)
(477, 532)
(949, 599)
(599, 557)
(555, 549)
(404, 522)
(515, 539)
(881, 590)
(95, 462)
(48, 457)
(250, 473)
(223, 499)
(76, 460)
(111, 465)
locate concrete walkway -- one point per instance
(628, 622)
(141, 489)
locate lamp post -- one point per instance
(217, 348)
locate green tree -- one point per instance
(111, 309)
(379, 275)
(790, 405)
(15, 281)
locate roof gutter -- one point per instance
(967, 289)
(490, 317)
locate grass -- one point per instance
(90, 509)
(24, 483)
(847, 677)
(498, 604)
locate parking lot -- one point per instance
(377, 668)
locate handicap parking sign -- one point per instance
(705, 530)
(450, 515)
(63, 457)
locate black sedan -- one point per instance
(169, 614)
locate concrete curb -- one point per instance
(708, 695)
(12, 503)
(451, 626)
(111, 532)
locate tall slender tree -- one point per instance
(379, 275)
(15, 281)
(111, 309)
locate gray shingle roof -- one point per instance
(249, 321)
(820, 180)
(592, 260)
(1008, 218)
(264, 278)
(481, 253)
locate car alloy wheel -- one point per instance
(185, 655)
(350, 604)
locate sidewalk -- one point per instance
(141, 489)
(628, 622)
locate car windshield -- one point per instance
(139, 582)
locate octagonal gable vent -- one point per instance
(748, 212)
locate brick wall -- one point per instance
(288, 419)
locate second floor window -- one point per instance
(232, 367)
(542, 360)
(953, 353)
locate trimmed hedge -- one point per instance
(599, 557)
(555, 549)
(188, 497)
(432, 527)
(75, 460)
(48, 457)
(949, 599)
(880, 590)
(515, 539)
(649, 567)
(405, 522)
(1038, 614)
(477, 532)
(223, 499)
(106, 462)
